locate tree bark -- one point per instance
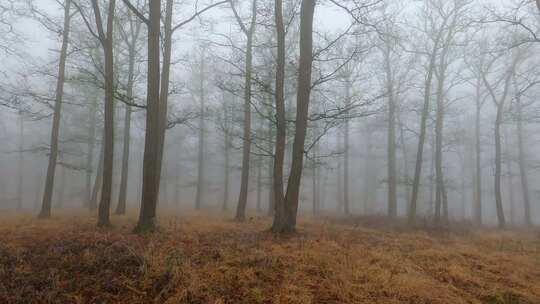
(164, 93)
(302, 111)
(281, 128)
(108, 154)
(246, 147)
(147, 215)
(51, 168)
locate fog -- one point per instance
(470, 66)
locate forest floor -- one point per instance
(204, 258)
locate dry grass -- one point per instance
(209, 259)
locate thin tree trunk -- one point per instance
(225, 204)
(523, 165)
(90, 150)
(392, 188)
(509, 178)
(177, 187)
(20, 164)
(423, 123)
(259, 185)
(439, 181)
(92, 204)
(271, 139)
(498, 165)
(122, 197)
(339, 175)
(51, 168)
(346, 156)
(246, 147)
(314, 190)
(62, 189)
(200, 159)
(405, 164)
(421, 140)
(478, 163)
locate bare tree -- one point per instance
(51, 168)
(249, 32)
(286, 222)
(504, 81)
(130, 39)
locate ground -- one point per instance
(211, 259)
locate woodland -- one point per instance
(269, 151)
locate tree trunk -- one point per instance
(281, 128)
(51, 168)
(92, 204)
(392, 191)
(90, 150)
(509, 176)
(200, 159)
(405, 164)
(20, 164)
(339, 174)
(421, 140)
(271, 139)
(439, 123)
(226, 170)
(259, 185)
(423, 122)
(177, 187)
(62, 189)
(108, 154)
(246, 147)
(122, 197)
(478, 162)
(523, 165)
(302, 111)
(346, 203)
(163, 95)
(498, 165)
(147, 215)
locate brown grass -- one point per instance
(209, 259)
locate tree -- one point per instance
(249, 32)
(281, 127)
(286, 222)
(432, 53)
(504, 81)
(130, 39)
(51, 168)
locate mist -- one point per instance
(285, 116)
